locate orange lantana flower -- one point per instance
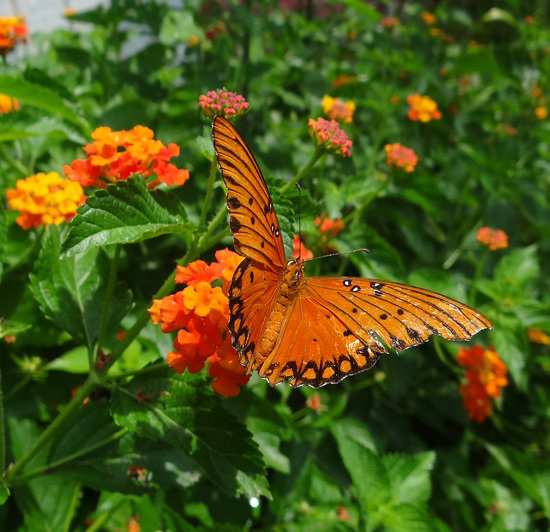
(327, 133)
(200, 314)
(484, 378)
(494, 239)
(328, 227)
(343, 80)
(389, 22)
(423, 108)
(538, 336)
(428, 18)
(401, 156)
(12, 31)
(8, 104)
(45, 199)
(338, 110)
(541, 112)
(117, 155)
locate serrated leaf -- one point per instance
(34, 94)
(183, 412)
(71, 291)
(124, 213)
(410, 476)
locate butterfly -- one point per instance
(313, 330)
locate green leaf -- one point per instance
(410, 476)
(182, 411)
(125, 212)
(4, 491)
(40, 96)
(71, 291)
(363, 464)
(178, 27)
(12, 327)
(45, 501)
(408, 518)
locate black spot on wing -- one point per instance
(233, 202)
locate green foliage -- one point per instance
(94, 425)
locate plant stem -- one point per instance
(88, 386)
(14, 163)
(478, 274)
(2, 438)
(209, 189)
(48, 468)
(319, 151)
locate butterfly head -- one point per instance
(294, 273)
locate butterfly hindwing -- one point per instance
(251, 298)
(339, 326)
(252, 218)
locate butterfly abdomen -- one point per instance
(291, 282)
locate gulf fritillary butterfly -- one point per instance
(313, 330)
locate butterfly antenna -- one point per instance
(338, 254)
(299, 219)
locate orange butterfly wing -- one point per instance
(252, 218)
(252, 297)
(339, 326)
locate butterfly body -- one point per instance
(314, 330)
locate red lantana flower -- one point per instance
(327, 133)
(493, 238)
(401, 156)
(485, 376)
(222, 102)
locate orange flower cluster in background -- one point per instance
(401, 156)
(222, 102)
(328, 227)
(541, 111)
(200, 313)
(117, 155)
(327, 133)
(423, 108)
(8, 104)
(12, 31)
(343, 80)
(389, 22)
(299, 250)
(428, 18)
(538, 336)
(493, 238)
(485, 376)
(45, 199)
(338, 110)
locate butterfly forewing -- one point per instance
(252, 218)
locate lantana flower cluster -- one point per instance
(401, 156)
(222, 102)
(117, 155)
(12, 31)
(327, 133)
(200, 314)
(422, 108)
(328, 227)
(493, 238)
(338, 110)
(484, 378)
(299, 250)
(45, 199)
(8, 104)
(538, 336)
